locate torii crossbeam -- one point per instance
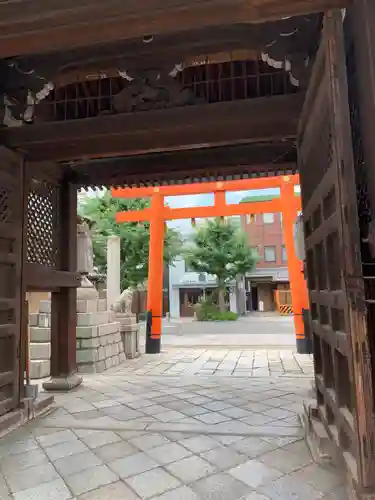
(287, 203)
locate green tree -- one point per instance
(220, 248)
(101, 211)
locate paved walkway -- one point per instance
(225, 362)
(176, 436)
(256, 330)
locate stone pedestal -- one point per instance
(40, 341)
(99, 340)
(99, 343)
(129, 329)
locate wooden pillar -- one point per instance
(362, 14)
(297, 281)
(155, 272)
(64, 302)
(362, 19)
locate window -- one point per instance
(268, 218)
(283, 254)
(250, 218)
(269, 254)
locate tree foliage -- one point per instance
(220, 248)
(101, 211)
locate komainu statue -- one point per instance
(124, 303)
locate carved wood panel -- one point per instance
(11, 223)
(162, 88)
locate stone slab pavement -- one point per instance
(255, 330)
(177, 436)
(224, 362)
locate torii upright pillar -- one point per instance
(297, 280)
(155, 273)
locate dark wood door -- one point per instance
(333, 257)
(11, 220)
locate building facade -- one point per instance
(265, 235)
(186, 287)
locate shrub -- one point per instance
(206, 310)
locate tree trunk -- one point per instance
(222, 299)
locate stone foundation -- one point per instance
(99, 341)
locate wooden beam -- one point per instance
(39, 277)
(36, 26)
(221, 43)
(268, 158)
(252, 120)
(207, 187)
(197, 175)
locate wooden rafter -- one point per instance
(199, 164)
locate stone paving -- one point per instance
(225, 362)
(176, 436)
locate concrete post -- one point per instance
(233, 300)
(113, 270)
(241, 295)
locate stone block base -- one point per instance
(39, 368)
(99, 348)
(129, 334)
(99, 342)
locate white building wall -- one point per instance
(174, 303)
(178, 279)
(176, 272)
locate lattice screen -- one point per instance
(42, 224)
(4, 207)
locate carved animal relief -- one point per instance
(152, 89)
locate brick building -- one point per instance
(271, 273)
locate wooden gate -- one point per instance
(11, 245)
(333, 259)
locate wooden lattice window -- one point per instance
(5, 210)
(209, 83)
(42, 224)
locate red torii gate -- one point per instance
(287, 203)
